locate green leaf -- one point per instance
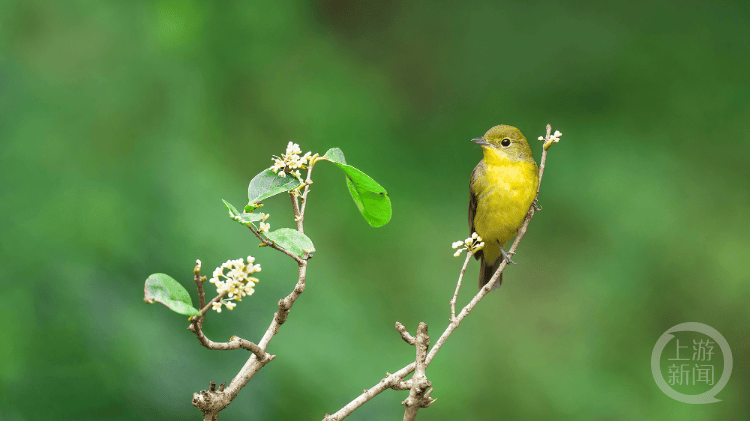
(161, 288)
(369, 196)
(335, 155)
(247, 218)
(242, 218)
(267, 184)
(292, 240)
(232, 210)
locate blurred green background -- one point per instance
(124, 124)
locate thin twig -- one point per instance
(197, 324)
(404, 334)
(295, 208)
(234, 343)
(458, 284)
(308, 183)
(273, 245)
(386, 383)
(199, 284)
(208, 305)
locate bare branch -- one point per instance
(404, 334)
(234, 343)
(208, 305)
(308, 182)
(419, 383)
(295, 208)
(196, 325)
(386, 383)
(458, 285)
(199, 280)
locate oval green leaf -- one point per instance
(267, 184)
(292, 240)
(370, 197)
(161, 288)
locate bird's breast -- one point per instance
(504, 195)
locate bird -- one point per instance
(501, 190)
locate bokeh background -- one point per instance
(124, 124)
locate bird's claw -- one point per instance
(506, 256)
(536, 205)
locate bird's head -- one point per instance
(504, 143)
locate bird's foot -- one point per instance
(506, 255)
(536, 205)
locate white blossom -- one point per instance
(232, 278)
(472, 244)
(291, 162)
(555, 137)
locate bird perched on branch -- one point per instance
(502, 188)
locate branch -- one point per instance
(213, 402)
(196, 325)
(273, 245)
(308, 182)
(388, 382)
(396, 380)
(419, 396)
(199, 280)
(404, 334)
(295, 208)
(234, 343)
(469, 254)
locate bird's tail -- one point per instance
(487, 270)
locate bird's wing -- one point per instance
(473, 205)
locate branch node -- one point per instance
(405, 335)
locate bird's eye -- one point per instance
(505, 142)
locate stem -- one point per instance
(458, 285)
(273, 245)
(308, 182)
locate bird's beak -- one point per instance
(481, 141)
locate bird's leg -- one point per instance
(536, 205)
(505, 254)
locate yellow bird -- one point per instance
(503, 186)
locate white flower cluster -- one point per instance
(473, 244)
(554, 138)
(236, 282)
(290, 162)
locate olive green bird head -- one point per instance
(504, 143)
